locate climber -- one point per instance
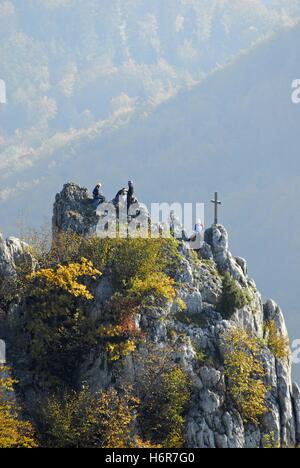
(130, 192)
(98, 197)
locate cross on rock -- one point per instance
(216, 202)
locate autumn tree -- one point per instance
(14, 432)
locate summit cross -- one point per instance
(216, 203)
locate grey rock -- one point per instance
(217, 238)
(212, 419)
(206, 251)
(14, 254)
(193, 301)
(243, 264)
(296, 403)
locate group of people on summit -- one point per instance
(125, 195)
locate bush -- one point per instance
(60, 332)
(137, 259)
(14, 432)
(84, 420)
(64, 278)
(278, 344)
(246, 372)
(158, 285)
(233, 297)
(164, 390)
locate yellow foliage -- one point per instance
(66, 279)
(84, 420)
(246, 372)
(177, 390)
(165, 390)
(14, 433)
(110, 331)
(118, 351)
(276, 342)
(156, 284)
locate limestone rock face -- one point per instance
(13, 254)
(73, 211)
(212, 419)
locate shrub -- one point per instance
(56, 322)
(117, 351)
(278, 344)
(14, 432)
(269, 441)
(84, 420)
(64, 278)
(158, 285)
(176, 393)
(137, 259)
(233, 297)
(164, 390)
(245, 371)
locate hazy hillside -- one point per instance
(72, 67)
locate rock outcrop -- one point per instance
(13, 254)
(212, 420)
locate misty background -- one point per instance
(185, 97)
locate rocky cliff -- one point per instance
(213, 419)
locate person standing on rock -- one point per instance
(130, 193)
(98, 196)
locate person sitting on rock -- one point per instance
(98, 196)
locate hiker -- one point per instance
(130, 193)
(98, 197)
(176, 228)
(120, 198)
(198, 236)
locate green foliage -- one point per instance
(181, 305)
(158, 285)
(278, 344)
(201, 357)
(245, 371)
(233, 297)
(137, 259)
(84, 420)
(60, 332)
(176, 392)
(70, 247)
(164, 390)
(270, 442)
(211, 267)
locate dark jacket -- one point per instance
(130, 195)
(97, 193)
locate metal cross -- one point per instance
(216, 202)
